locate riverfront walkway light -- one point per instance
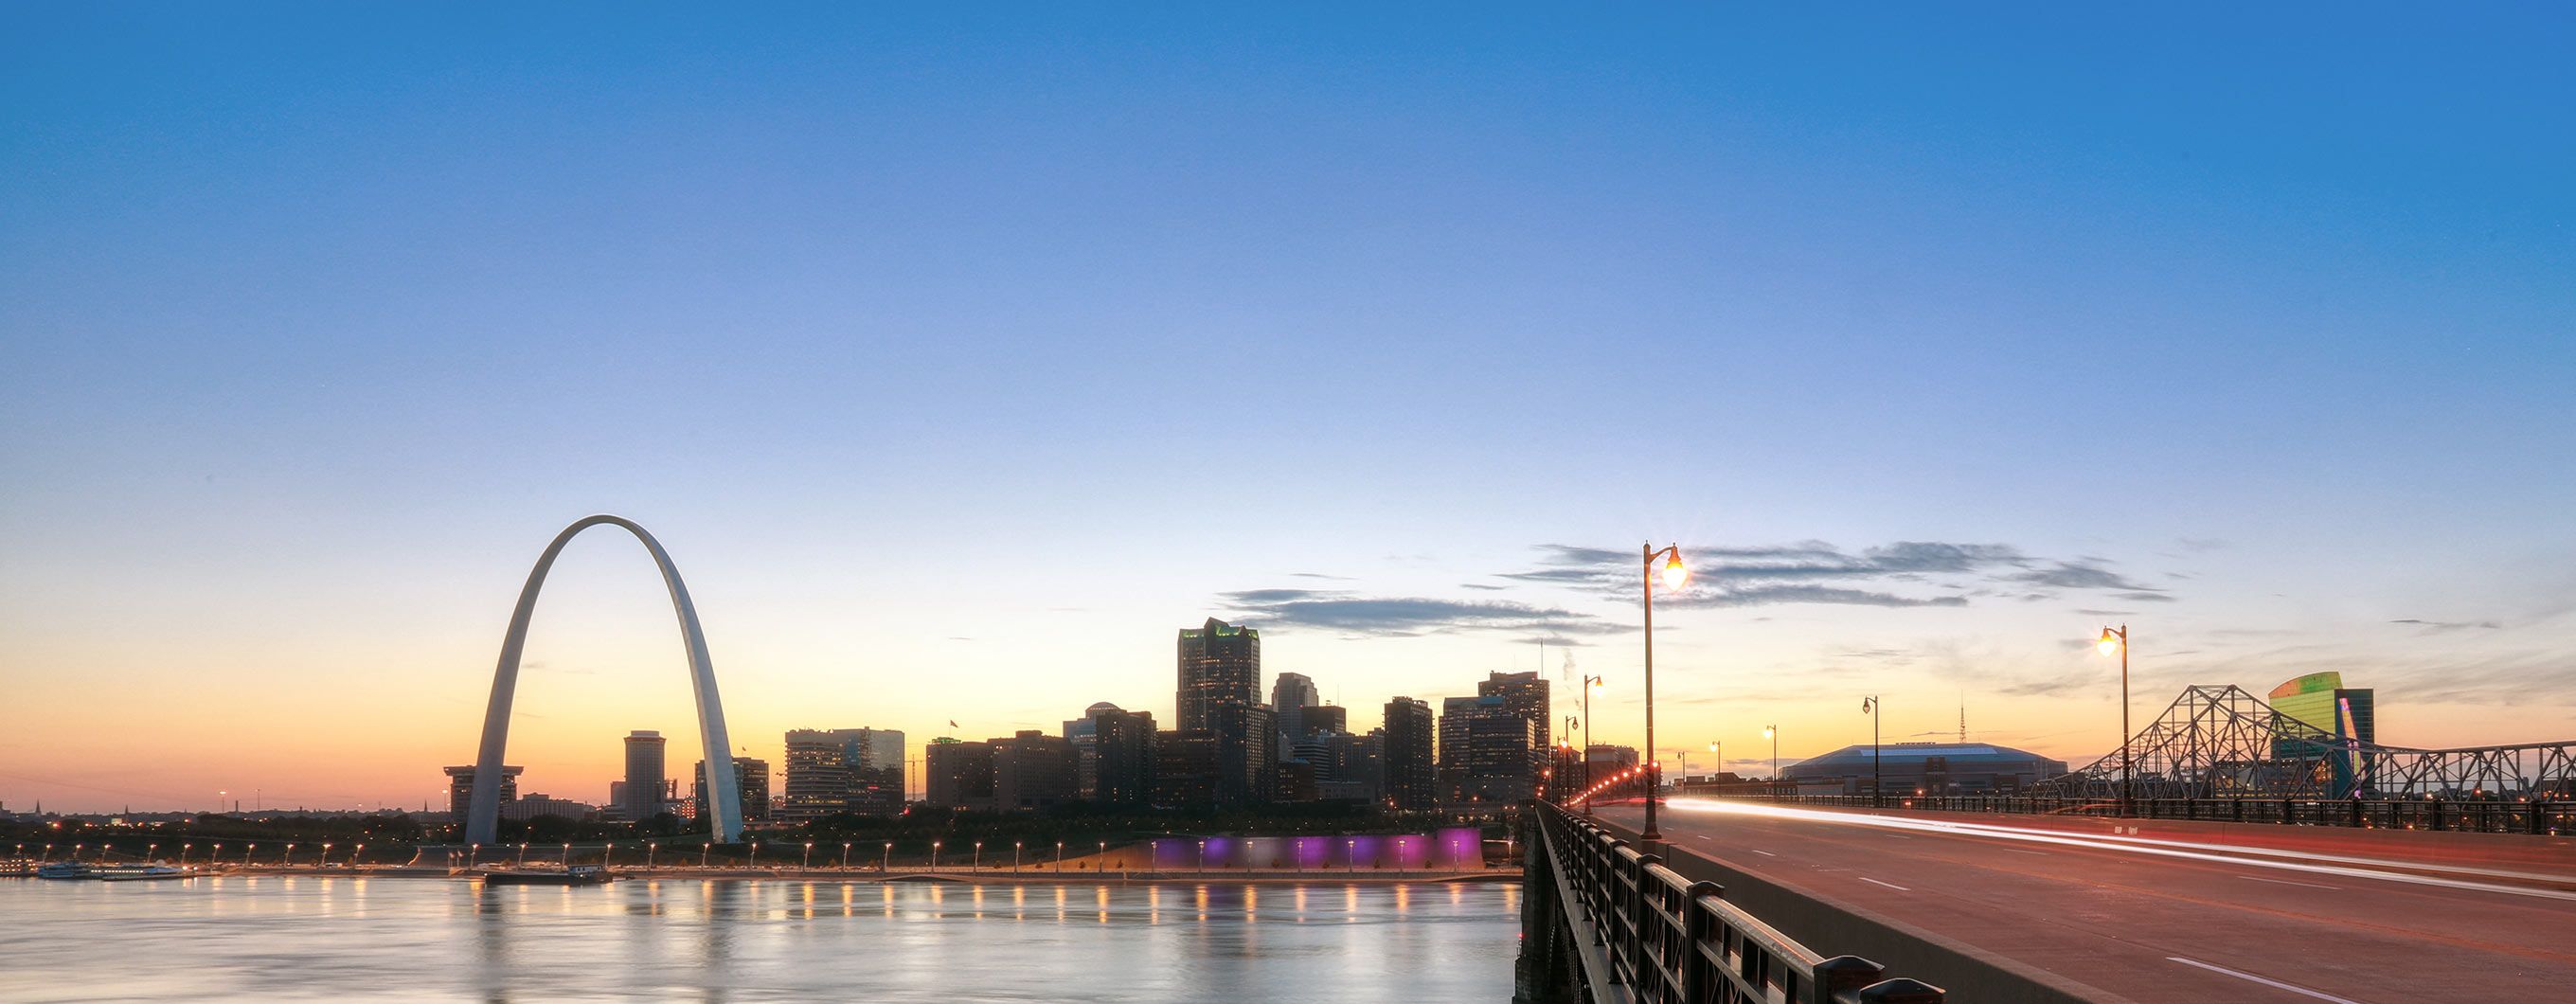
(2117, 641)
(1675, 577)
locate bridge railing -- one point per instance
(1656, 937)
(2543, 817)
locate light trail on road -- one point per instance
(2252, 857)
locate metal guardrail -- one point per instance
(2544, 818)
(1640, 932)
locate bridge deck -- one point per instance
(2109, 920)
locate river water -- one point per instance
(444, 939)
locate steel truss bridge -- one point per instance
(2222, 742)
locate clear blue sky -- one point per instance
(960, 357)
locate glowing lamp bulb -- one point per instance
(1674, 574)
(2110, 643)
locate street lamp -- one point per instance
(326, 854)
(1675, 576)
(705, 850)
(1203, 857)
(2118, 641)
(1772, 732)
(567, 855)
(1059, 857)
(1015, 857)
(289, 858)
(885, 861)
(1590, 684)
(845, 855)
(183, 853)
(809, 856)
(356, 853)
(523, 852)
(755, 854)
(934, 855)
(651, 847)
(1869, 706)
(1104, 852)
(978, 864)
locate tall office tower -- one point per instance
(1219, 662)
(1523, 694)
(1185, 768)
(644, 780)
(1032, 770)
(1247, 749)
(1123, 756)
(960, 774)
(1489, 756)
(1323, 718)
(460, 790)
(1357, 765)
(1290, 695)
(818, 777)
(1083, 734)
(751, 785)
(857, 771)
(1411, 780)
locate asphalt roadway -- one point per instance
(2159, 917)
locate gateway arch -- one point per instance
(483, 813)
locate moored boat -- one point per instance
(575, 875)
(141, 873)
(65, 870)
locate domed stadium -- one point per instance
(1931, 768)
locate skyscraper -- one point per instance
(1523, 694)
(1323, 718)
(1218, 662)
(1411, 781)
(644, 776)
(857, 771)
(751, 782)
(2339, 714)
(1290, 695)
(1123, 751)
(1488, 753)
(1185, 768)
(460, 789)
(1032, 770)
(1247, 749)
(960, 774)
(1083, 733)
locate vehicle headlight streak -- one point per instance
(2151, 846)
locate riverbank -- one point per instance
(950, 876)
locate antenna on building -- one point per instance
(1963, 717)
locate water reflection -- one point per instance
(768, 940)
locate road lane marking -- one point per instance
(2275, 984)
(1766, 854)
(2018, 850)
(1890, 885)
(2310, 885)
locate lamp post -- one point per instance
(1202, 857)
(809, 857)
(1015, 857)
(934, 855)
(1675, 576)
(2119, 640)
(845, 855)
(1590, 684)
(885, 859)
(651, 849)
(356, 853)
(705, 850)
(1717, 748)
(1772, 732)
(976, 865)
(1869, 706)
(1059, 857)
(1104, 854)
(289, 858)
(567, 854)
(183, 853)
(523, 852)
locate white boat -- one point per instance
(141, 873)
(65, 870)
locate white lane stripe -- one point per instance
(1890, 885)
(2018, 850)
(2310, 885)
(1766, 854)
(2275, 984)
(2135, 845)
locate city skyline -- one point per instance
(962, 356)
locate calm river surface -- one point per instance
(445, 939)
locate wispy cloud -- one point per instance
(2444, 627)
(1404, 616)
(1908, 573)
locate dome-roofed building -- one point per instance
(1931, 768)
